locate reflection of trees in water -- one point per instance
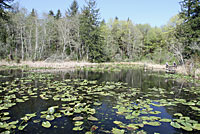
(135, 78)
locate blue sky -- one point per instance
(153, 12)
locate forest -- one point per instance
(82, 35)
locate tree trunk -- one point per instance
(36, 39)
(22, 43)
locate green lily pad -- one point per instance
(165, 120)
(132, 127)
(175, 125)
(178, 114)
(117, 131)
(92, 118)
(186, 128)
(13, 122)
(117, 122)
(31, 115)
(77, 111)
(155, 112)
(58, 115)
(78, 123)
(26, 118)
(68, 113)
(46, 124)
(5, 132)
(50, 117)
(36, 121)
(78, 128)
(142, 132)
(77, 118)
(97, 103)
(19, 100)
(93, 128)
(51, 110)
(22, 127)
(196, 126)
(155, 123)
(3, 125)
(5, 118)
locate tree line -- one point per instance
(80, 34)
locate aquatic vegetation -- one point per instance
(46, 124)
(88, 104)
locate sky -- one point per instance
(153, 12)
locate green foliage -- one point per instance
(73, 10)
(189, 31)
(58, 15)
(4, 4)
(90, 36)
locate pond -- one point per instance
(128, 101)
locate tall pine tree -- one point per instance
(73, 10)
(189, 31)
(90, 33)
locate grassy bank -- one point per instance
(73, 64)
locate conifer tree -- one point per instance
(51, 13)
(91, 40)
(73, 10)
(189, 31)
(58, 15)
(4, 5)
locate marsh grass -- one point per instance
(74, 64)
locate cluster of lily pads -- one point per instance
(80, 100)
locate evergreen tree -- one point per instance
(73, 10)
(91, 39)
(58, 15)
(189, 31)
(4, 5)
(51, 13)
(33, 13)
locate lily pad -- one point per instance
(97, 103)
(92, 118)
(77, 118)
(132, 127)
(155, 123)
(22, 127)
(117, 131)
(51, 110)
(31, 115)
(68, 113)
(5, 118)
(36, 121)
(186, 128)
(78, 123)
(175, 125)
(142, 132)
(13, 122)
(46, 124)
(58, 115)
(50, 117)
(165, 120)
(178, 114)
(93, 128)
(117, 122)
(78, 128)
(196, 126)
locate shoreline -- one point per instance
(71, 65)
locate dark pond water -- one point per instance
(131, 96)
